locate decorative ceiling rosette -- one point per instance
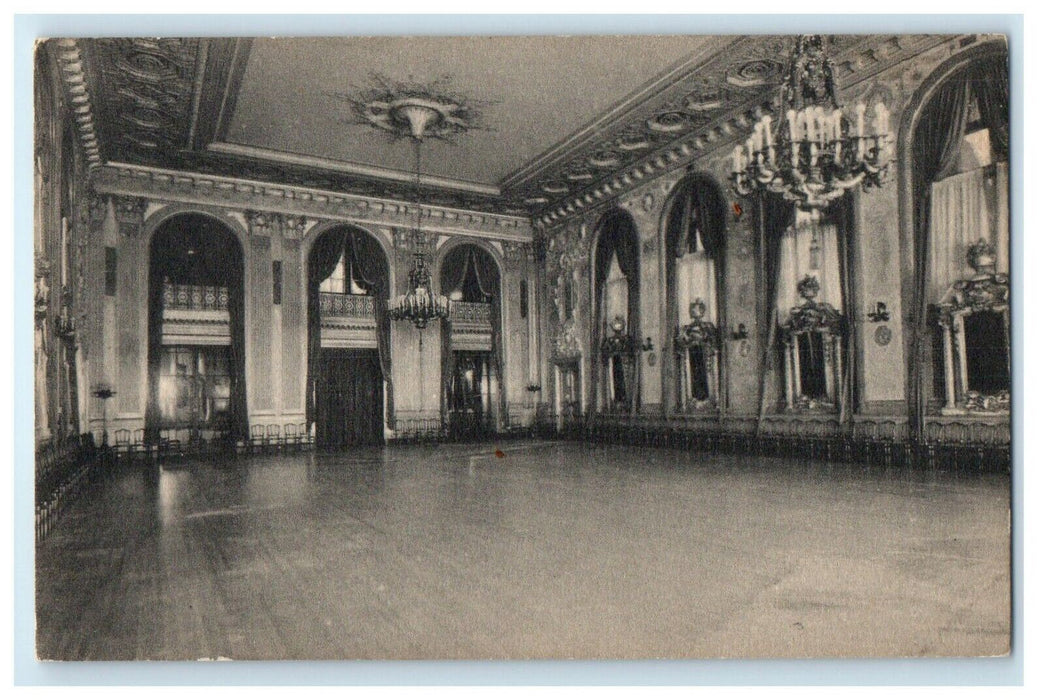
(393, 105)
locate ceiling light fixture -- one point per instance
(419, 305)
(813, 153)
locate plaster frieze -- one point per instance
(290, 202)
(714, 136)
(78, 94)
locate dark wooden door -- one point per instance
(350, 398)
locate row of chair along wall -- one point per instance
(946, 443)
(65, 468)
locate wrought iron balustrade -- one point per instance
(195, 297)
(468, 312)
(346, 305)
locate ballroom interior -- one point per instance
(391, 317)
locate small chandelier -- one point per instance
(419, 305)
(814, 153)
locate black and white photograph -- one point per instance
(516, 347)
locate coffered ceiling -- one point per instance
(561, 117)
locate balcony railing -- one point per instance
(470, 313)
(195, 297)
(346, 305)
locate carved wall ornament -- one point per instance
(262, 220)
(812, 316)
(567, 348)
(294, 226)
(698, 332)
(617, 340)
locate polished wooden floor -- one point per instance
(551, 550)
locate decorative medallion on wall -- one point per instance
(883, 335)
(567, 348)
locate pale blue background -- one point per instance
(713, 672)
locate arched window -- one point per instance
(349, 338)
(616, 324)
(474, 399)
(196, 342)
(694, 236)
(959, 167)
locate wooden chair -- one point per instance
(273, 437)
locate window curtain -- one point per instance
(326, 252)
(775, 215)
(217, 259)
(451, 277)
(809, 248)
(697, 219)
(991, 87)
(490, 285)
(935, 146)
(616, 238)
(454, 269)
(965, 208)
(369, 263)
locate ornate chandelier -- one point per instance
(419, 305)
(814, 153)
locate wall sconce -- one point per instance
(648, 345)
(879, 314)
(740, 332)
(533, 388)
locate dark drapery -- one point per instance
(490, 284)
(326, 252)
(616, 235)
(370, 262)
(453, 272)
(935, 147)
(774, 216)
(698, 205)
(348, 399)
(990, 84)
(842, 214)
(196, 249)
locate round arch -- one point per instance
(701, 186)
(225, 262)
(381, 274)
(499, 351)
(449, 246)
(316, 231)
(912, 251)
(618, 223)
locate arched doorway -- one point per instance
(196, 359)
(349, 385)
(694, 245)
(616, 325)
(473, 396)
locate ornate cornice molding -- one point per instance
(79, 96)
(236, 193)
(863, 59)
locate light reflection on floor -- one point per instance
(553, 550)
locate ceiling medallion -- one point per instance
(410, 109)
(705, 102)
(755, 73)
(604, 159)
(670, 122)
(633, 143)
